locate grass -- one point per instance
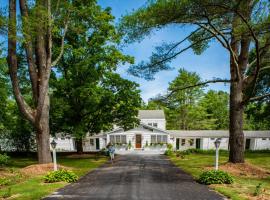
(243, 187)
(33, 187)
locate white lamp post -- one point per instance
(217, 144)
(53, 144)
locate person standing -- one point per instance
(111, 150)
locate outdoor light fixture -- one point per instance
(53, 144)
(217, 145)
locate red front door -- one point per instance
(138, 141)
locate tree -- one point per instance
(35, 29)
(4, 92)
(88, 96)
(236, 25)
(216, 105)
(183, 103)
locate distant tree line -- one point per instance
(197, 109)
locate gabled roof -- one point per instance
(148, 127)
(216, 133)
(151, 114)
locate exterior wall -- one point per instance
(64, 144)
(208, 143)
(146, 139)
(87, 146)
(260, 144)
(186, 143)
(161, 123)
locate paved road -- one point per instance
(136, 177)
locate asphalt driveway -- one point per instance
(136, 177)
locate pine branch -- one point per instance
(259, 97)
(197, 85)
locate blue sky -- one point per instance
(213, 63)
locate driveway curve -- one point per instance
(136, 177)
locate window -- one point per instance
(212, 138)
(155, 125)
(92, 142)
(153, 139)
(123, 139)
(263, 138)
(164, 138)
(117, 139)
(183, 142)
(112, 139)
(62, 138)
(150, 124)
(158, 138)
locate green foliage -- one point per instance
(258, 190)
(88, 96)
(169, 150)
(215, 177)
(4, 159)
(60, 175)
(192, 109)
(7, 193)
(4, 181)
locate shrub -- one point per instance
(4, 159)
(6, 194)
(258, 190)
(61, 175)
(4, 181)
(215, 177)
(168, 152)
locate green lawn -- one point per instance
(243, 187)
(33, 187)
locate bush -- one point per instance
(61, 175)
(258, 190)
(4, 181)
(6, 194)
(4, 159)
(215, 177)
(169, 150)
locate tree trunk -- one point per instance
(79, 146)
(43, 134)
(236, 140)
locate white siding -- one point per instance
(64, 144)
(161, 123)
(260, 144)
(208, 143)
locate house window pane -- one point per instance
(150, 124)
(159, 139)
(91, 142)
(183, 142)
(164, 138)
(123, 139)
(117, 139)
(112, 139)
(153, 139)
(155, 124)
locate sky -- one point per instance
(213, 63)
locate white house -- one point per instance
(151, 136)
